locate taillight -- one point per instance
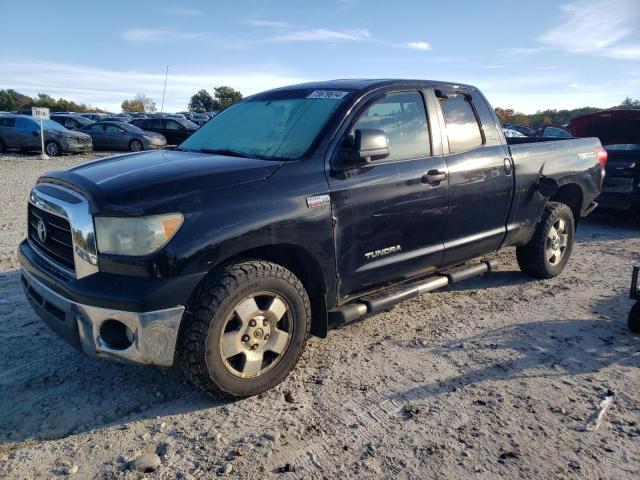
(602, 156)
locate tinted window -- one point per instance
(403, 118)
(554, 132)
(7, 122)
(156, 123)
(96, 128)
(25, 123)
(463, 130)
(172, 125)
(112, 129)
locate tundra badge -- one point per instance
(383, 251)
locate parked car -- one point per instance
(523, 129)
(96, 117)
(619, 132)
(511, 133)
(553, 131)
(123, 136)
(22, 132)
(175, 130)
(72, 122)
(336, 198)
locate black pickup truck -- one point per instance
(293, 206)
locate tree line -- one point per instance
(223, 96)
(557, 117)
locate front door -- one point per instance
(390, 219)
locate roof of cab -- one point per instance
(367, 84)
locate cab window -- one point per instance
(463, 130)
(402, 116)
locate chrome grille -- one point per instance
(58, 243)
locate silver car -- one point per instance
(123, 136)
(22, 132)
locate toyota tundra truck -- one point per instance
(289, 211)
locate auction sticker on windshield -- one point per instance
(332, 94)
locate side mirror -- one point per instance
(371, 144)
(35, 133)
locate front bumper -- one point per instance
(73, 147)
(150, 336)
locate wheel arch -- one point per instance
(571, 195)
(303, 265)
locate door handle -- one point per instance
(508, 167)
(434, 177)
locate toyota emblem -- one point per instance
(42, 231)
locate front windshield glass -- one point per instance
(51, 125)
(282, 128)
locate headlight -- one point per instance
(136, 235)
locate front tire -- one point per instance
(245, 330)
(634, 318)
(136, 146)
(549, 250)
(52, 149)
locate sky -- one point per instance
(523, 55)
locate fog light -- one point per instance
(116, 335)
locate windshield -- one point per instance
(51, 125)
(282, 128)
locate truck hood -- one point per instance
(141, 177)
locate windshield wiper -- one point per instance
(223, 151)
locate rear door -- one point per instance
(390, 221)
(480, 176)
(8, 132)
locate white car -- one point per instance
(509, 132)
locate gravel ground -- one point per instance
(496, 378)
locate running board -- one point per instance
(378, 303)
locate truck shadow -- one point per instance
(539, 349)
(49, 390)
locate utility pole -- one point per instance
(166, 74)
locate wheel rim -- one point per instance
(136, 146)
(557, 241)
(256, 335)
(52, 149)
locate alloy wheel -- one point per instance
(256, 335)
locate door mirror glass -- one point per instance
(371, 144)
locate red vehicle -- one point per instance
(619, 133)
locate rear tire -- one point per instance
(136, 145)
(3, 146)
(52, 148)
(548, 251)
(245, 329)
(634, 318)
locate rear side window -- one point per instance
(403, 118)
(155, 123)
(462, 126)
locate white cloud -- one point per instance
(597, 27)
(417, 45)
(158, 35)
(185, 12)
(106, 89)
(321, 35)
(493, 66)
